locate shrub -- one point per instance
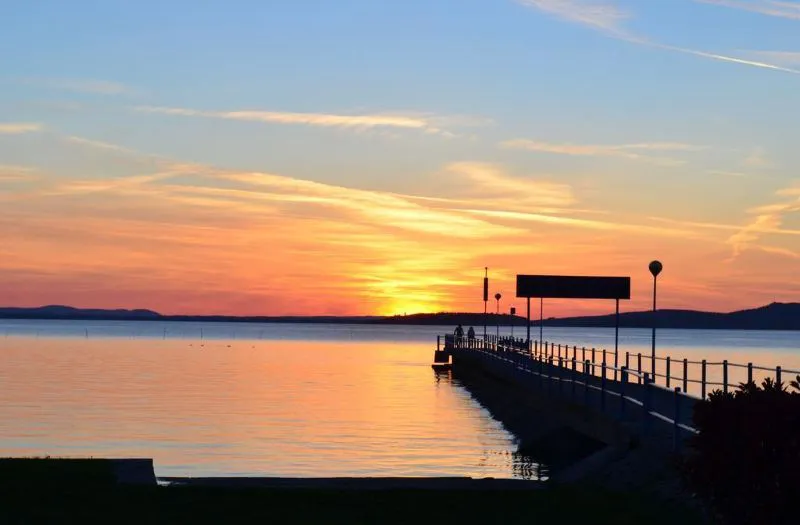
(745, 461)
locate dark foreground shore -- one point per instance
(55, 491)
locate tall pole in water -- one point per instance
(485, 299)
(655, 269)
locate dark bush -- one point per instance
(746, 459)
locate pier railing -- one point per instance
(620, 384)
(697, 378)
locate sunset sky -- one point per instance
(371, 157)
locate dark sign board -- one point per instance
(573, 287)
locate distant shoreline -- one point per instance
(773, 317)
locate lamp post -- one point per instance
(497, 298)
(655, 269)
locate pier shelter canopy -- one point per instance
(572, 287)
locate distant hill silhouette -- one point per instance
(775, 316)
(68, 312)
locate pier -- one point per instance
(606, 385)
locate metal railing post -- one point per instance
(560, 375)
(725, 376)
(604, 363)
(603, 389)
(574, 375)
(586, 382)
(438, 343)
(703, 380)
(583, 354)
(646, 403)
(616, 363)
(685, 375)
(668, 366)
(749, 372)
(622, 387)
(593, 360)
(639, 368)
(778, 376)
(676, 416)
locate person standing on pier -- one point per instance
(471, 333)
(459, 333)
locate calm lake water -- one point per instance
(282, 400)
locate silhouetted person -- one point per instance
(459, 333)
(471, 333)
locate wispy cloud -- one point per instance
(77, 85)
(98, 144)
(599, 15)
(490, 184)
(784, 58)
(768, 218)
(726, 173)
(758, 158)
(424, 123)
(12, 173)
(18, 128)
(777, 8)
(608, 18)
(625, 151)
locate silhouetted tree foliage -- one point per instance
(746, 458)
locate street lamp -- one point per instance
(497, 298)
(655, 269)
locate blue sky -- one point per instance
(680, 112)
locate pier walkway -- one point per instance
(656, 408)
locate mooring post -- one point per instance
(622, 387)
(685, 375)
(676, 428)
(725, 376)
(703, 380)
